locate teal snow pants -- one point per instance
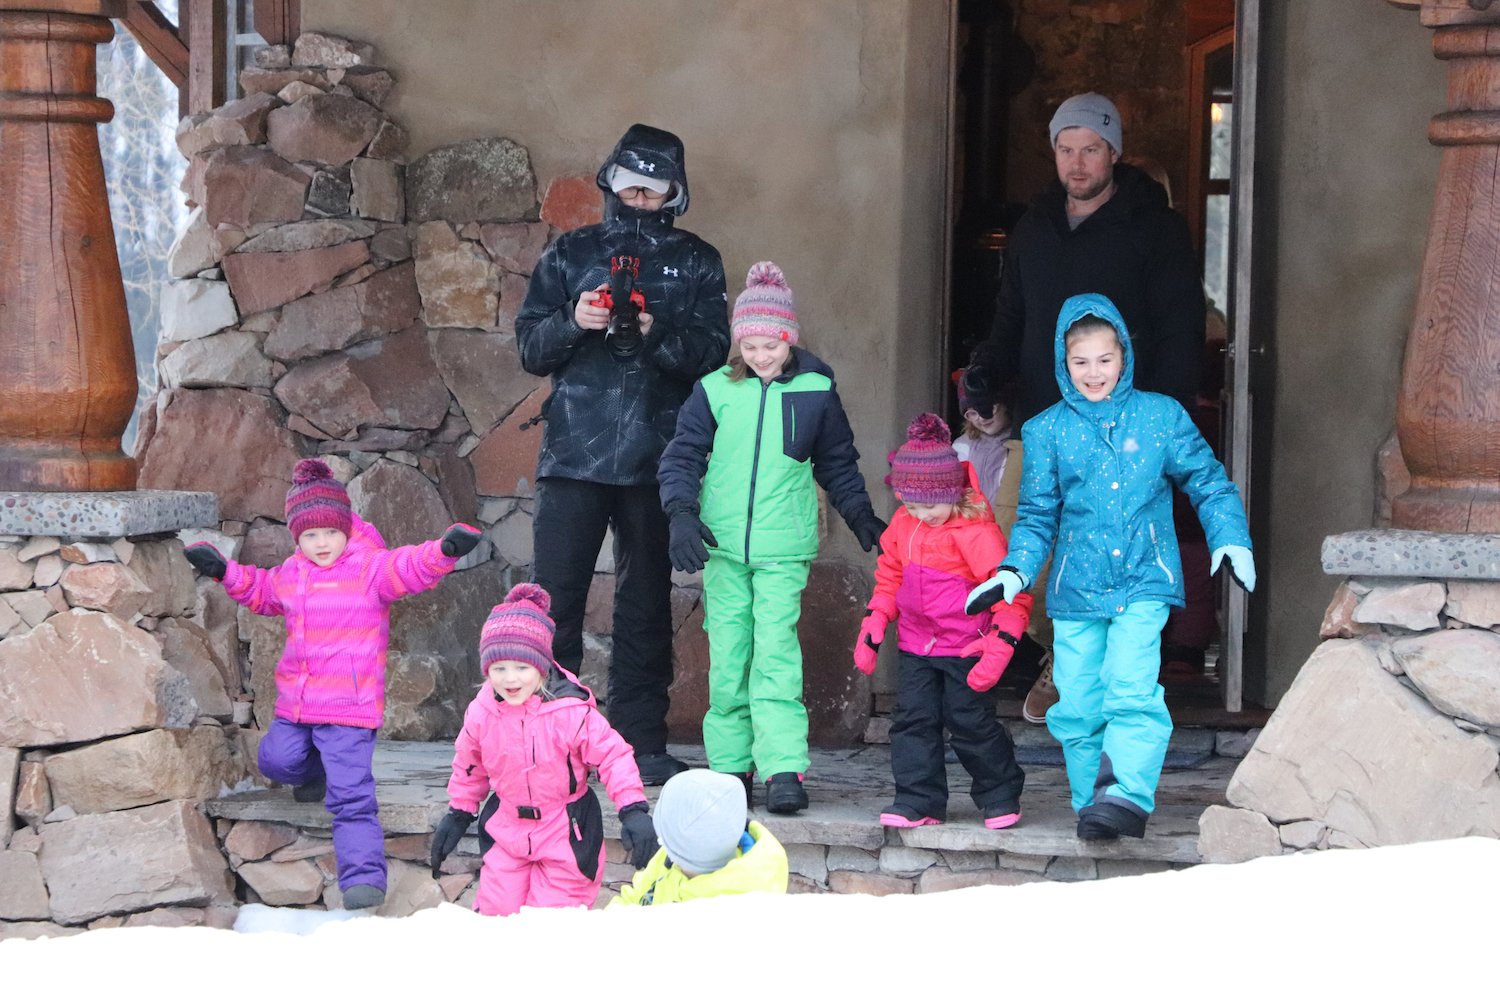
(1111, 717)
(756, 720)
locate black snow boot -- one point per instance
(312, 791)
(1108, 821)
(785, 794)
(657, 768)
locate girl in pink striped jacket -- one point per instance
(335, 592)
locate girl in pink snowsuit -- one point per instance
(532, 735)
(335, 592)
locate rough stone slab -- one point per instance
(1072, 869)
(942, 880)
(1302, 835)
(106, 515)
(899, 860)
(23, 894)
(1352, 747)
(226, 360)
(323, 128)
(160, 855)
(1338, 619)
(313, 234)
(289, 883)
(1458, 670)
(33, 796)
(1477, 603)
(195, 307)
(329, 321)
(115, 682)
(870, 883)
(1429, 554)
(480, 180)
(851, 859)
(1406, 605)
(262, 281)
(809, 860)
(571, 201)
(10, 764)
(253, 841)
(1229, 836)
(313, 48)
(143, 769)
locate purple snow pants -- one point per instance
(294, 754)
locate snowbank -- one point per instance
(1395, 921)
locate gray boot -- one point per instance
(363, 897)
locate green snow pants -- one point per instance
(756, 720)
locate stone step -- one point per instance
(848, 788)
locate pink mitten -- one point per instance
(994, 649)
(867, 646)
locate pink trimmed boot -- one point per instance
(905, 817)
(1001, 817)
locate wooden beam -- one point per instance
(206, 30)
(278, 21)
(158, 38)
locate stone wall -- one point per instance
(332, 299)
(122, 706)
(1391, 732)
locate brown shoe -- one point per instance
(1042, 696)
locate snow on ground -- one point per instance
(1392, 922)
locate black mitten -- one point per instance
(449, 832)
(867, 529)
(685, 546)
(638, 834)
(460, 540)
(206, 560)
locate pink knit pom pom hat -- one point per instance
(926, 469)
(764, 308)
(316, 499)
(519, 629)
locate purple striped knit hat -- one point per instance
(519, 629)
(926, 469)
(316, 499)
(764, 308)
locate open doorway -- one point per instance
(1171, 67)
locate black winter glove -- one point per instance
(638, 833)
(867, 529)
(686, 546)
(206, 560)
(449, 832)
(459, 540)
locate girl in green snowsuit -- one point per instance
(742, 469)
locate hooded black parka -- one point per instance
(608, 418)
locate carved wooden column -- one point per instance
(66, 359)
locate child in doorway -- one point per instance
(941, 542)
(753, 442)
(532, 735)
(709, 847)
(335, 592)
(992, 444)
(1100, 467)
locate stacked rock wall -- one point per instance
(119, 706)
(332, 299)
(1391, 732)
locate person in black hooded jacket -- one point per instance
(1106, 227)
(612, 411)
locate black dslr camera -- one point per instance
(625, 303)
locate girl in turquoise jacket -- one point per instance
(738, 482)
(1097, 484)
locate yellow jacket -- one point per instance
(758, 866)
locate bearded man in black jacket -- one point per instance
(1103, 227)
(616, 390)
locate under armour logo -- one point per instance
(650, 168)
(1106, 119)
(669, 270)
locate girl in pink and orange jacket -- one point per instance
(532, 735)
(335, 592)
(940, 543)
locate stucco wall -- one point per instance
(815, 135)
(1345, 190)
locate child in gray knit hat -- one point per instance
(710, 847)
